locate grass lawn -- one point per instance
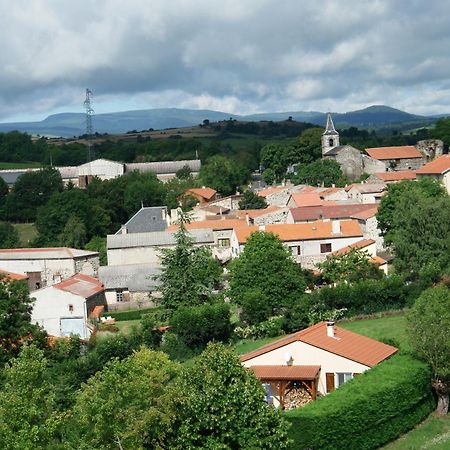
(126, 326)
(393, 327)
(27, 232)
(432, 434)
(18, 165)
(248, 345)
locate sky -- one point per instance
(236, 56)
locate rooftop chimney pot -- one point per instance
(330, 329)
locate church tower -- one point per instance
(330, 137)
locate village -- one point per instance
(316, 238)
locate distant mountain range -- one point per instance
(73, 124)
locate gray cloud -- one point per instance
(238, 56)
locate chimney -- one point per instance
(335, 227)
(262, 227)
(247, 218)
(123, 229)
(330, 329)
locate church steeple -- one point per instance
(330, 137)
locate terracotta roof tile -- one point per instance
(308, 199)
(436, 167)
(12, 275)
(303, 231)
(327, 211)
(271, 190)
(345, 343)
(399, 152)
(82, 285)
(396, 176)
(207, 193)
(286, 372)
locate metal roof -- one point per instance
(134, 277)
(164, 167)
(155, 239)
(44, 253)
(81, 285)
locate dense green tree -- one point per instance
(389, 207)
(274, 157)
(429, 334)
(420, 235)
(9, 237)
(30, 191)
(324, 172)
(198, 325)
(222, 174)
(145, 190)
(250, 200)
(3, 193)
(15, 316)
(28, 416)
(52, 218)
(137, 415)
(269, 177)
(188, 273)
(184, 173)
(348, 267)
(222, 406)
(74, 233)
(442, 130)
(308, 148)
(98, 244)
(265, 265)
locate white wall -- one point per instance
(102, 168)
(133, 255)
(305, 354)
(52, 304)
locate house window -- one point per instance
(225, 242)
(331, 142)
(119, 296)
(70, 308)
(296, 250)
(325, 248)
(342, 377)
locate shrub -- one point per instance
(197, 325)
(269, 328)
(368, 411)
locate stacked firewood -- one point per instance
(297, 397)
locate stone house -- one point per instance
(405, 157)
(47, 266)
(316, 360)
(64, 308)
(309, 243)
(366, 192)
(439, 169)
(129, 286)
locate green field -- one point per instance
(432, 434)
(27, 232)
(19, 165)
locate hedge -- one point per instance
(368, 411)
(135, 314)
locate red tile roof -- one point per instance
(396, 176)
(271, 190)
(81, 285)
(400, 152)
(206, 192)
(286, 372)
(303, 231)
(366, 214)
(308, 199)
(12, 275)
(345, 343)
(326, 211)
(436, 167)
(360, 244)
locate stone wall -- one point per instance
(430, 148)
(350, 160)
(371, 165)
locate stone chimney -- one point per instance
(123, 229)
(262, 228)
(335, 227)
(330, 329)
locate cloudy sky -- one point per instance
(238, 56)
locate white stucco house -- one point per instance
(317, 359)
(64, 308)
(309, 243)
(47, 266)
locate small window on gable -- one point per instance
(325, 248)
(70, 308)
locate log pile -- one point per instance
(297, 397)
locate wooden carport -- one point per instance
(282, 378)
